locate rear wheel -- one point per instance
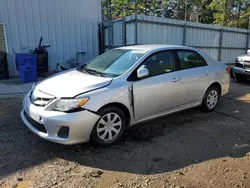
(210, 99)
(110, 127)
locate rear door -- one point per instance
(194, 76)
(160, 91)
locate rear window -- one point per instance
(190, 59)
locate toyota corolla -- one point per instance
(120, 88)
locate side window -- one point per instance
(190, 59)
(160, 63)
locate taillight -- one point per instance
(228, 69)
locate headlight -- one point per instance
(239, 60)
(65, 105)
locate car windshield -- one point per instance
(112, 63)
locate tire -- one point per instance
(210, 99)
(105, 132)
(240, 78)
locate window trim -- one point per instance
(179, 62)
(133, 75)
(5, 37)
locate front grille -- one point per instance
(35, 124)
(247, 66)
(39, 98)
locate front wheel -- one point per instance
(110, 127)
(211, 99)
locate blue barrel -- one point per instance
(27, 67)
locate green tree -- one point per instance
(231, 12)
(234, 13)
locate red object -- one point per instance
(115, 17)
(228, 69)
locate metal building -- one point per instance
(69, 26)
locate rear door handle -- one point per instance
(175, 80)
(206, 73)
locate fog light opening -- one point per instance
(63, 132)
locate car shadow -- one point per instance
(161, 145)
(170, 143)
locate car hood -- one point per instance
(71, 83)
(245, 57)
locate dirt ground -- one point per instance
(187, 149)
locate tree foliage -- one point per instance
(235, 13)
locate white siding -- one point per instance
(69, 26)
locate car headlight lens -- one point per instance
(65, 105)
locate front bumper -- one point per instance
(238, 70)
(79, 124)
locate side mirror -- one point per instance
(248, 51)
(142, 72)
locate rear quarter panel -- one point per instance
(219, 74)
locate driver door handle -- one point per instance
(175, 79)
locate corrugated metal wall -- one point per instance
(222, 43)
(130, 34)
(117, 36)
(69, 26)
(159, 32)
(233, 37)
(204, 38)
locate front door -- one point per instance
(159, 92)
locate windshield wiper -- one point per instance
(95, 72)
(80, 68)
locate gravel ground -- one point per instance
(187, 149)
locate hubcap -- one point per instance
(109, 126)
(212, 99)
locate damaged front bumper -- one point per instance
(58, 127)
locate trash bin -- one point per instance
(4, 72)
(27, 67)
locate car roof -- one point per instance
(151, 47)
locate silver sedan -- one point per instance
(120, 88)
